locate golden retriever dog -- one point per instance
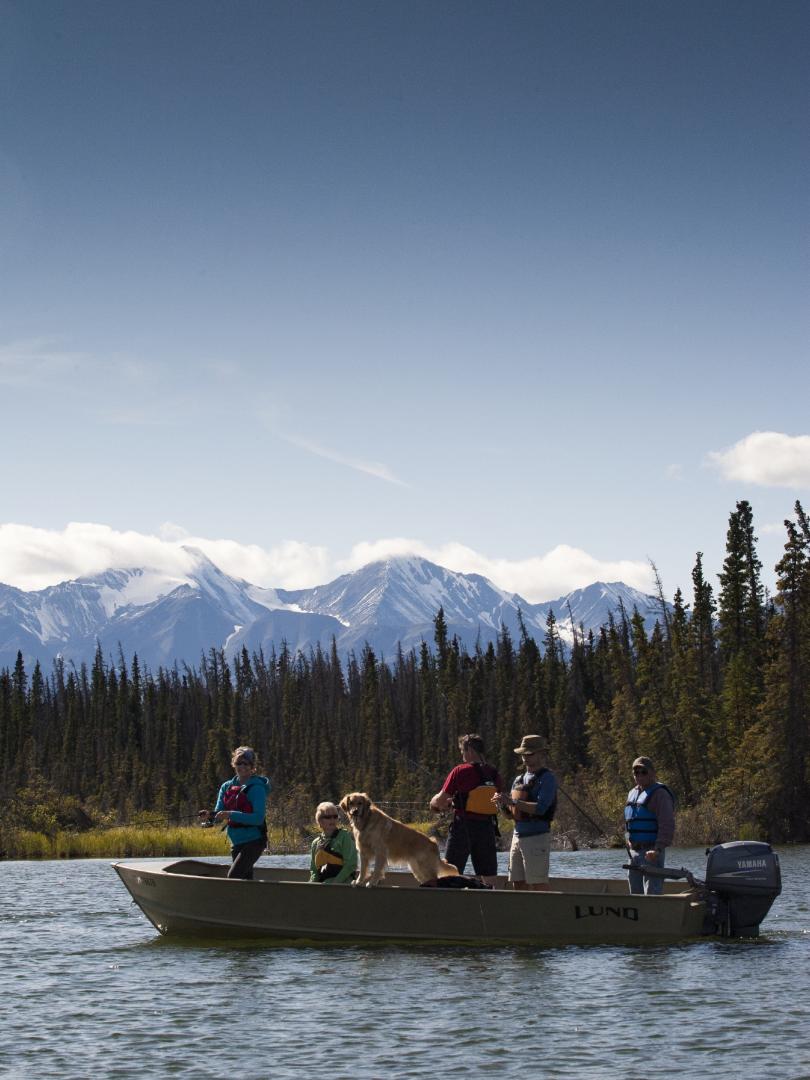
(383, 839)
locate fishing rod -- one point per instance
(142, 823)
(602, 831)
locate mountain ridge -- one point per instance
(167, 618)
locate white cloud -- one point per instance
(538, 578)
(42, 363)
(675, 472)
(36, 362)
(169, 530)
(768, 458)
(291, 564)
(372, 468)
(33, 558)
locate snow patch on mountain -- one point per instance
(136, 588)
(268, 598)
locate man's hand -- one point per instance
(441, 802)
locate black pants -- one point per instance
(244, 857)
(477, 838)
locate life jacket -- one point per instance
(236, 798)
(530, 793)
(328, 862)
(479, 800)
(641, 824)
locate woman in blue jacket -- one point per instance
(241, 803)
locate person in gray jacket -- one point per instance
(649, 823)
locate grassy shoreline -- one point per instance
(146, 841)
(131, 841)
(143, 840)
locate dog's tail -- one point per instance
(446, 869)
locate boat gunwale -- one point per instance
(163, 867)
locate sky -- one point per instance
(520, 287)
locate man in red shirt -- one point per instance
(469, 791)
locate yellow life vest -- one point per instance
(325, 857)
(479, 800)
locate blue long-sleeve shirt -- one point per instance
(543, 791)
(256, 790)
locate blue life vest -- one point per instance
(641, 824)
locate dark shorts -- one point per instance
(244, 856)
(473, 838)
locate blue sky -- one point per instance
(514, 285)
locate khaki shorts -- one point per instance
(528, 858)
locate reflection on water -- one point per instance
(90, 989)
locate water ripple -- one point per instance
(102, 995)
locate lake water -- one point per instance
(90, 990)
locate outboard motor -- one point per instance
(745, 879)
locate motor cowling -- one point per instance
(744, 876)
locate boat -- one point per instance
(192, 896)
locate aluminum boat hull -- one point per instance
(189, 896)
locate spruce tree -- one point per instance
(786, 706)
(741, 633)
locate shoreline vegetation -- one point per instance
(717, 694)
(145, 841)
(158, 839)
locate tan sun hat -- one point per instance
(531, 744)
(645, 763)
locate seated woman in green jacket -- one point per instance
(333, 856)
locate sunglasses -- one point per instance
(326, 817)
(640, 770)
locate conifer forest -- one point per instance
(718, 694)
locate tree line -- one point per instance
(716, 694)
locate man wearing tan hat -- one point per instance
(531, 804)
(649, 822)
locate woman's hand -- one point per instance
(223, 815)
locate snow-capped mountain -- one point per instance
(166, 618)
(397, 600)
